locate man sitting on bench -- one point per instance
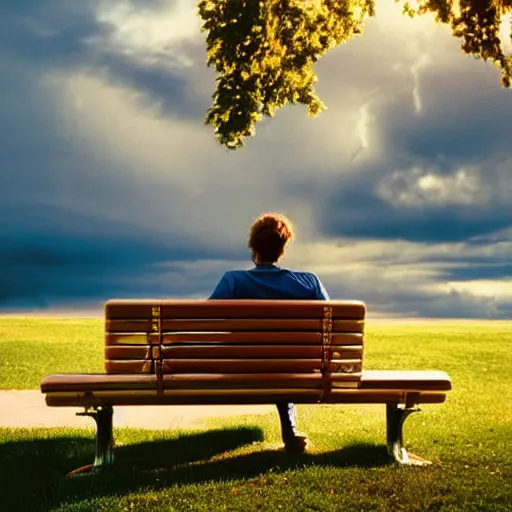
(269, 236)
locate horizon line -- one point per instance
(99, 314)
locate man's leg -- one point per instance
(293, 440)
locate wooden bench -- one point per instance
(166, 352)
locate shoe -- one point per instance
(296, 444)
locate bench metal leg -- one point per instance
(104, 454)
(396, 414)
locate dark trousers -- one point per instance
(288, 421)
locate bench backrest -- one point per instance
(315, 343)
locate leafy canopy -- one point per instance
(264, 51)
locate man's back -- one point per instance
(269, 282)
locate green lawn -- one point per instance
(236, 464)
(31, 348)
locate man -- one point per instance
(269, 236)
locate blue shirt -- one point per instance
(269, 282)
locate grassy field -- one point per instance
(237, 463)
(31, 348)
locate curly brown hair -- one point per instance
(270, 234)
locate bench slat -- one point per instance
(172, 308)
(97, 398)
(253, 380)
(236, 397)
(293, 338)
(131, 339)
(232, 351)
(337, 367)
(238, 338)
(128, 325)
(399, 379)
(84, 382)
(259, 351)
(142, 326)
(256, 380)
(242, 351)
(129, 366)
(261, 324)
(129, 351)
(242, 380)
(240, 365)
(261, 338)
(371, 380)
(383, 396)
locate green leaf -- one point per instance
(264, 51)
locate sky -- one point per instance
(112, 186)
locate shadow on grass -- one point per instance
(33, 471)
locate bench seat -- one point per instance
(376, 387)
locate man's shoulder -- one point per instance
(311, 282)
(234, 275)
(302, 273)
(234, 272)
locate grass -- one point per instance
(31, 348)
(236, 464)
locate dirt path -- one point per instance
(28, 409)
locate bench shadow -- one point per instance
(33, 471)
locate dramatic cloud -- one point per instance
(112, 186)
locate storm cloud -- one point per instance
(111, 185)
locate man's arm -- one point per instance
(321, 291)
